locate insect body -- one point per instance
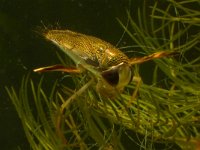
(110, 66)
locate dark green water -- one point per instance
(21, 49)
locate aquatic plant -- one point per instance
(166, 110)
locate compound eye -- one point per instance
(111, 76)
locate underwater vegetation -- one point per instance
(165, 111)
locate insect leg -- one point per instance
(58, 68)
(65, 105)
(156, 55)
(138, 81)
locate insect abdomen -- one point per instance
(93, 50)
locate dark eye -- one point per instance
(111, 76)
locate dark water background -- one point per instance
(21, 49)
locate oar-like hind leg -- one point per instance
(58, 68)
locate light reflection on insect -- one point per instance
(110, 67)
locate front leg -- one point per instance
(138, 81)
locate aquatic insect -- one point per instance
(109, 66)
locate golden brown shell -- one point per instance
(93, 50)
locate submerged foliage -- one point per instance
(166, 111)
